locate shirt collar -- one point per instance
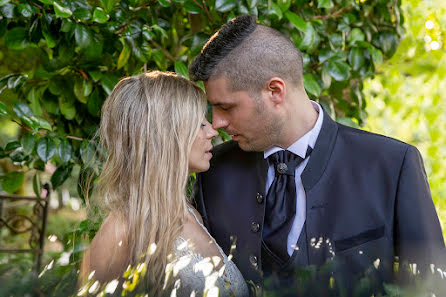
(309, 139)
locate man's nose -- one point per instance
(218, 121)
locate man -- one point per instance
(294, 188)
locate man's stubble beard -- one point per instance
(268, 135)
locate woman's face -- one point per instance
(200, 154)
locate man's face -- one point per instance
(245, 118)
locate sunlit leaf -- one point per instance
(62, 10)
(225, 5)
(82, 88)
(324, 4)
(124, 56)
(100, 16)
(4, 109)
(164, 3)
(297, 21)
(181, 69)
(108, 5)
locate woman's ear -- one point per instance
(276, 90)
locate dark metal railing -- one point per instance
(33, 223)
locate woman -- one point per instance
(155, 133)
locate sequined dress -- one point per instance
(197, 276)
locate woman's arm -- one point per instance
(108, 253)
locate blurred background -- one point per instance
(402, 97)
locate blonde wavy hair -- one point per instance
(149, 123)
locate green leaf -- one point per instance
(95, 75)
(283, 4)
(275, 11)
(60, 176)
(4, 109)
(62, 10)
(297, 21)
(253, 3)
(309, 37)
(12, 181)
(326, 77)
(94, 104)
(42, 123)
(124, 56)
(64, 150)
(87, 152)
(12, 146)
(147, 33)
(67, 25)
(108, 5)
(160, 30)
(181, 69)
(324, 4)
(108, 83)
(355, 36)
(4, 2)
(347, 122)
(82, 88)
(311, 85)
(67, 109)
(28, 143)
(100, 16)
(16, 81)
(164, 3)
(17, 38)
(225, 5)
(82, 13)
(25, 9)
(339, 70)
(49, 37)
(46, 149)
(34, 99)
(356, 58)
(377, 56)
(21, 109)
(83, 36)
(37, 185)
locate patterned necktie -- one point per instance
(281, 202)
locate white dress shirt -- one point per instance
(299, 148)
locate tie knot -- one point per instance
(285, 162)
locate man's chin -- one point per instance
(247, 146)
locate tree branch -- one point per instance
(166, 52)
(206, 10)
(332, 15)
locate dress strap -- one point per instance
(225, 258)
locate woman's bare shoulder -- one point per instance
(108, 252)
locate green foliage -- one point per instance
(407, 101)
(81, 49)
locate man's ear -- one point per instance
(276, 89)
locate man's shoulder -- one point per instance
(363, 138)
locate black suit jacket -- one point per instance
(367, 198)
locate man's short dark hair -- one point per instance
(248, 55)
